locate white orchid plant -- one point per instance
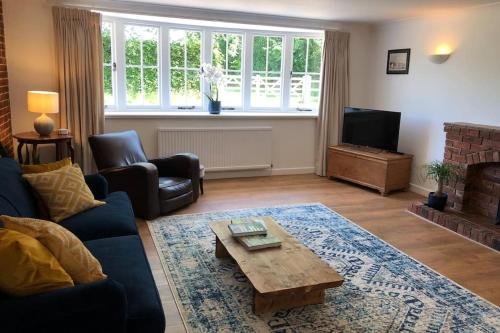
(215, 77)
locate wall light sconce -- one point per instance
(443, 52)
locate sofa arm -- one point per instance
(183, 165)
(98, 185)
(95, 307)
(140, 181)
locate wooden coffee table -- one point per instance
(284, 277)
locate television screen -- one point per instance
(371, 128)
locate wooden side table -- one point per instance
(34, 139)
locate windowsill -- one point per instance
(204, 114)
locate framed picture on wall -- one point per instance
(398, 61)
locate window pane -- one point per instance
(274, 64)
(193, 49)
(108, 86)
(227, 55)
(176, 50)
(150, 52)
(305, 80)
(134, 96)
(234, 52)
(177, 85)
(266, 75)
(193, 87)
(106, 42)
(314, 56)
(151, 86)
(141, 69)
(299, 54)
(259, 53)
(185, 62)
(108, 63)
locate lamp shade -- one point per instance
(43, 102)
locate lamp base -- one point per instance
(44, 125)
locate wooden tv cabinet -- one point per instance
(373, 168)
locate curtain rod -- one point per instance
(130, 7)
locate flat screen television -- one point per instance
(371, 128)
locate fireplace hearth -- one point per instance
(474, 197)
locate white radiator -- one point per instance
(220, 149)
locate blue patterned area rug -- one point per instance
(384, 289)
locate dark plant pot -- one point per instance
(214, 107)
(437, 202)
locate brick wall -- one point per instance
(476, 150)
(5, 120)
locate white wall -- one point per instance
(465, 88)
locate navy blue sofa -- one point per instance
(127, 301)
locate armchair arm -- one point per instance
(140, 181)
(98, 185)
(95, 307)
(183, 165)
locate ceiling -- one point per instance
(335, 10)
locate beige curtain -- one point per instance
(79, 60)
(334, 94)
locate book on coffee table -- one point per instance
(258, 242)
(247, 229)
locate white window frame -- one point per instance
(118, 54)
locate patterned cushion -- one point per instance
(73, 256)
(27, 267)
(37, 168)
(63, 191)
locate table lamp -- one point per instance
(43, 102)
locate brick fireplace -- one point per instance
(473, 199)
(476, 150)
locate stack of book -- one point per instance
(252, 233)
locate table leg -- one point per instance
(71, 151)
(33, 153)
(20, 152)
(263, 303)
(58, 152)
(220, 250)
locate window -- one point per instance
(306, 67)
(226, 54)
(141, 65)
(266, 71)
(108, 65)
(154, 65)
(185, 62)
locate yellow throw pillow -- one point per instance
(63, 191)
(73, 256)
(37, 168)
(27, 267)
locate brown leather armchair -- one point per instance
(156, 186)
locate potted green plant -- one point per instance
(215, 78)
(440, 172)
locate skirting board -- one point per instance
(419, 189)
(259, 173)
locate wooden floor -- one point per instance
(471, 265)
